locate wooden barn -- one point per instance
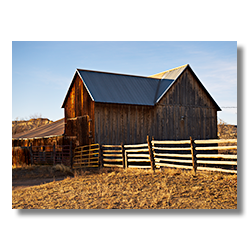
(110, 108)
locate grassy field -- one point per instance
(131, 189)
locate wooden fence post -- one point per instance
(123, 155)
(100, 156)
(193, 155)
(150, 154)
(126, 159)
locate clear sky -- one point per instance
(42, 71)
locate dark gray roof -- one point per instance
(124, 89)
(108, 87)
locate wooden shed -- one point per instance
(110, 108)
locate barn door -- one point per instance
(83, 130)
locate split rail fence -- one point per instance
(187, 154)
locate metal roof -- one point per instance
(118, 88)
(108, 87)
(170, 74)
(167, 79)
(52, 129)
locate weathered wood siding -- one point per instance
(186, 110)
(79, 104)
(116, 123)
(130, 124)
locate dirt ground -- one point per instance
(27, 176)
(119, 189)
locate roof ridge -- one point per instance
(113, 73)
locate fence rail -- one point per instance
(226, 151)
(165, 157)
(87, 156)
(112, 156)
(137, 156)
(187, 154)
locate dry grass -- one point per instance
(133, 189)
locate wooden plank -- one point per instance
(193, 152)
(81, 151)
(90, 145)
(216, 148)
(171, 142)
(218, 169)
(111, 146)
(126, 159)
(136, 145)
(112, 165)
(86, 154)
(160, 164)
(138, 160)
(117, 155)
(218, 162)
(137, 120)
(123, 155)
(216, 156)
(112, 151)
(172, 160)
(112, 160)
(174, 155)
(215, 141)
(136, 150)
(139, 155)
(171, 148)
(136, 166)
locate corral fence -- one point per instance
(112, 156)
(87, 156)
(212, 155)
(45, 154)
(176, 154)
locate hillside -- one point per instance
(22, 126)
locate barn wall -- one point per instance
(79, 104)
(130, 124)
(117, 123)
(187, 99)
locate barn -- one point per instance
(111, 108)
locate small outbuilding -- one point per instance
(48, 134)
(110, 108)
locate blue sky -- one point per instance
(42, 71)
